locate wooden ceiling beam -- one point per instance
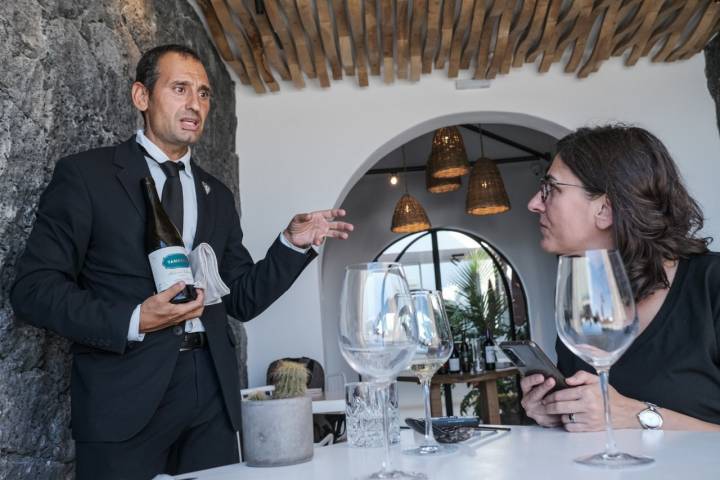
(241, 44)
(419, 17)
(344, 37)
(272, 9)
(461, 30)
(306, 12)
(295, 39)
(387, 9)
(403, 38)
(254, 41)
(431, 39)
(327, 33)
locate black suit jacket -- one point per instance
(84, 271)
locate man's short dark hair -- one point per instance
(147, 70)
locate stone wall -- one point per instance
(67, 67)
(712, 70)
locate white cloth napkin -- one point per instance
(205, 271)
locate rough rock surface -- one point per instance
(67, 66)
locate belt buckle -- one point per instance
(193, 340)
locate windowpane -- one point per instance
(418, 263)
(459, 253)
(391, 253)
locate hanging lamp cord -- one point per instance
(482, 146)
(402, 150)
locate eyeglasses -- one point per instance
(547, 184)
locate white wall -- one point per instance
(304, 150)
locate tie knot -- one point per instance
(172, 169)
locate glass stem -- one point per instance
(385, 405)
(610, 446)
(429, 436)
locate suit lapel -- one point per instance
(205, 197)
(132, 169)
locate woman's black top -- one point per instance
(675, 362)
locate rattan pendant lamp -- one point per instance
(409, 216)
(441, 185)
(486, 190)
(448, 158)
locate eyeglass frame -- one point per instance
(547, 183)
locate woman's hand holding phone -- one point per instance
(583, 400)
(535, 388)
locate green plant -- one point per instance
(290, 379)
(477, 310)
(258, 396)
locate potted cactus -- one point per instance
(278, 430)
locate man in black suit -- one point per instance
(154, 385)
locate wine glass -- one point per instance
(596, 318)
(435, 344)
(378, 334)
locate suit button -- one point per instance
(177, 330)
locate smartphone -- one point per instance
(529, 358)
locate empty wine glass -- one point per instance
(378, 334)
(435, 344)
(596, 318)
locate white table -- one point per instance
(524, 453)
(330, 403)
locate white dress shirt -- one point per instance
(190, 216)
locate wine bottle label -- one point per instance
(454, 364)
(170, 265)
(489, 354)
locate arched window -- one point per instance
(458, 263)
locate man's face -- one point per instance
(177, 107)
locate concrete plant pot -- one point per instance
(277, 432)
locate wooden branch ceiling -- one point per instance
(300, 40)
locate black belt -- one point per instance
(191, 341)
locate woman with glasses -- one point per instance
(616, 187)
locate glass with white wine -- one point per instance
(433, 349)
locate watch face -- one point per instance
(650, 419)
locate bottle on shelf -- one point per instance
(489, 350)
(165, 248)
(466, 364)
(444, 368)
(454, 362)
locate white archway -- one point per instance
(515, 233)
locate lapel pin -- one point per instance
(206, 187)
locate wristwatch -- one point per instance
(650, 418)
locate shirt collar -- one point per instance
(158, 155)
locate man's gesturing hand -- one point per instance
(306, 229)
(157, 312)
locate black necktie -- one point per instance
(172, 195)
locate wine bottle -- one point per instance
(455, 360)
(467, 363)
(489, 350)
(461, 352)
(165, 249)
(444, 368)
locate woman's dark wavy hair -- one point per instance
(654, 217)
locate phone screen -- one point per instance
(530, 359)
